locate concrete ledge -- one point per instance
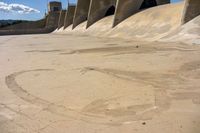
(61, 19)
(98, 9)
(69, 16)
(191, 10)
(81, 12)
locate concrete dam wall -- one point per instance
(129, 7)
(151, 24)
(134, 19)
(131, 19)
(52, 20)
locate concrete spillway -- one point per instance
(125, 9)
(150, 24)
(135, 19)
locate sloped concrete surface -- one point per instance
(150, 24)
(125, 9)
(83, 84)
(188, 33)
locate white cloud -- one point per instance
(17, 8)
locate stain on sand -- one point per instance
(116, 50)
(165, 85)
(99, 111)
(43, 51)
(90, 113)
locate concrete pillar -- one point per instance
(81, 12)
(98, 9)
(61, 19)
(69, 16)
(54, 9)
(126, 8)
(191, 10)
(52, 20)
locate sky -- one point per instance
(28, 9)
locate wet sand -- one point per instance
(80, 84)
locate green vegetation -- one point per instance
(5, 23)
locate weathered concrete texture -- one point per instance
(125, 9)
(98, 9)
(81, 12)
(52, 20)
(61, 19)
(69, 16)
(192, 10)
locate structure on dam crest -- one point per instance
(116, 18)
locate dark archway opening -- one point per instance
(110, 11)
(148, 4)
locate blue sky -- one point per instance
(36, 9)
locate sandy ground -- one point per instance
(79, 84)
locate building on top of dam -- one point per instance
(54, 6)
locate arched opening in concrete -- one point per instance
(148, 3)
(100, 9)
(110, 11)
